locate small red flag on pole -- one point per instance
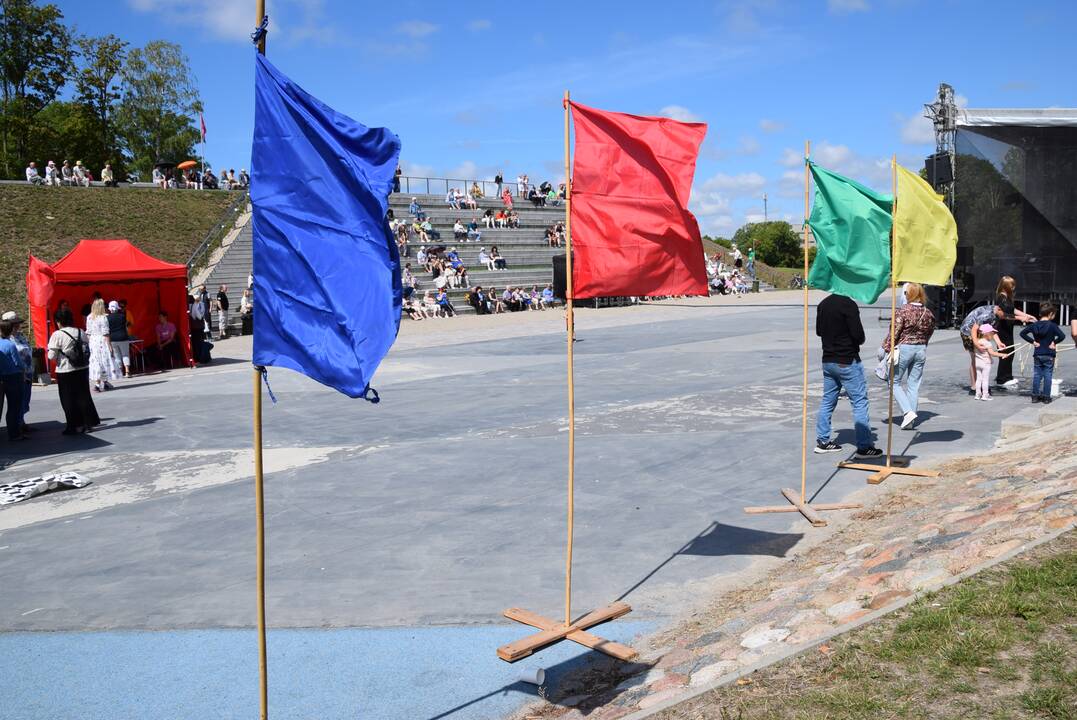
(202, 122)
(632, 233)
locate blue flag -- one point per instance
(327, 289)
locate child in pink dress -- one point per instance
(984, 353)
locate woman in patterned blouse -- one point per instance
(913, 326)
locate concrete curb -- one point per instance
(870, 617)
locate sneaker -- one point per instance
(1036, 398)
(1012, 382)
(908, 420)
(1046, 399)
(870, 452)
(986, 398)
(827, 447)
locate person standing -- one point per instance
(101, 370)
(222, 312)
(1044, 334)
(913, 326)
(11, 377)
(118, 339)
(970, 335)
(26, 354)
(1004, 295)
(500, 180)
(751, 262)
(838, 323)
(68, 346)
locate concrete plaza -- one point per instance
(401, 530)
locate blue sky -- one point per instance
(474, 87)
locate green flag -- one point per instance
(851, 224)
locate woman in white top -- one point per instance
(101, 370)
(68, 347)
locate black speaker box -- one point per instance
(939, 170)
(560, 279)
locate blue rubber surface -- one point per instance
(383, 674)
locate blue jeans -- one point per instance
(910, 369)
(1043, 370)
(850, 377)
(13, 385)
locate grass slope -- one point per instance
(1002, 644)
(48, 222)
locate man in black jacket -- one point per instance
(837, 322)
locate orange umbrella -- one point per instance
(186, 164)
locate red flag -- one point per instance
(632, 233)
(39, 282)
(202, 121)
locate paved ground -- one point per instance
(445, 503)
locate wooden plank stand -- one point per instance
(798, 502)
(895, 464)
(552, 632)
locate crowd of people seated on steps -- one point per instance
(165, 177)
(729, 279)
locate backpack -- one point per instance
(80, 358)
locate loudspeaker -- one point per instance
(939, 170)
(964, 256)
(560, 277)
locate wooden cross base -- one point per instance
(882, 472)
(552, 632)
(810, 512)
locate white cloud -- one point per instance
(416, 28)
(479, 25)
(771, 126)
(222, 20)
(917, 130)
(847, 6)
(679, 112)
(792, 158)
(754, 217)
(712, 200)
(291, 21)
(416, 169)
(748, 145)
(750, 183)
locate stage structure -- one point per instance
(1014, 196)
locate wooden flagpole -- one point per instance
(801, 504)
(894, 466)
(551, 631)
(571, 332)
(259, 501)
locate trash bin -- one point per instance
(755, 286)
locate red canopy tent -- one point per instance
(118, 270)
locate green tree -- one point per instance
(775, 243)
(66, 131)
(98, 91)
(154, 116)
(35, 59)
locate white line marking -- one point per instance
(31, 612)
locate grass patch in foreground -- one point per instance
(1002, 644)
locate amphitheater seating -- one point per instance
(525, 249)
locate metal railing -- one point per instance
(200, 257)
(411, 185)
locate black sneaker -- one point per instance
(1046, 399)
(1035, 398)
(827, 447)
(871, 452)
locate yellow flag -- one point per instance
(925, 234)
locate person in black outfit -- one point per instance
(1004, 294)
(838, 324)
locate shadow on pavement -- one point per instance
(718, 540)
